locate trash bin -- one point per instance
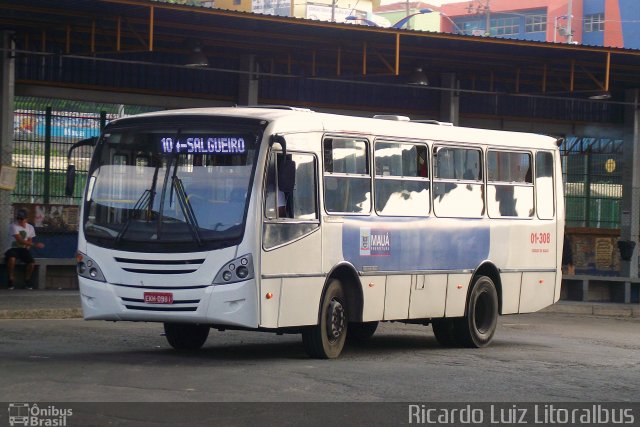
(626, 249)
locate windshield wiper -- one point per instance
(170, 164)
(187, 209)
(154, 182)
(183, 200)
(141, 203)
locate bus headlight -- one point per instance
(237, 270)
(88, 268)
(242, 272)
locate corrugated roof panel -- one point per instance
(294, 49)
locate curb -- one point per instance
(595, 310)
(42, 313)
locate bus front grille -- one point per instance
(156, 266)
(136, 307)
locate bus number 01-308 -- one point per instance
(542, 238)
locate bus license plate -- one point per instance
(158, 298)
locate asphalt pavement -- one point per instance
(65, 304)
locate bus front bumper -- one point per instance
(232, 304)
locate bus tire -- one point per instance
(185, 336)
(326, 339)
(477, 327)
(444, 331)
(361, 331)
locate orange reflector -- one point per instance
(459, 286)
(269, 295)
(371, 285)
(541, 281)
(78, 257)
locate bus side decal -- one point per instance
(415, 244)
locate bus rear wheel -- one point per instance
(445, 332)
(326, 339)
(476, 329)
(185, 336)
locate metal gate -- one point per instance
(592, 176)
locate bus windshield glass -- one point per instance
(156, 188)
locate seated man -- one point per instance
(22, 234)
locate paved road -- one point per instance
(533, 358)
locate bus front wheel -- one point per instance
(185, 336)
(476, 329)
(361, 331)
(326, 339)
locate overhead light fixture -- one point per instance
(600, 95)
(418, 78)
(196, 58)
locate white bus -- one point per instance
(291, 221)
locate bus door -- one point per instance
(291, 258)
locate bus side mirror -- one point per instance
(286, 166)
(287, 175)
(70, 181)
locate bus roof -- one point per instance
(293, 120)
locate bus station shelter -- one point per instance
(69, 66)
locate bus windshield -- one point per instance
(161, 188)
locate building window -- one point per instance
(237, 2)
(593, 23)
(535, 24)
(505, 26)
(475, 28)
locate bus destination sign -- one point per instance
(203, 145)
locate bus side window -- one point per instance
(401, 182)
(347, 180)
(510, 188)
(290, 215)
(458, 188)
(285, 200)
(544, 185)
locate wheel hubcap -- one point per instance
(335, 320)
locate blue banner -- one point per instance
(415, 244)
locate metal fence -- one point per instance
(43, 132)
(592, 175)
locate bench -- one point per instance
(41, 268)
(577, 287)
(43, 263)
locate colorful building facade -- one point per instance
(322, 10)
(613, 23)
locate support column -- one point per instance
(450, 99)
(7, 91)
(630, 212)
(248, 82)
